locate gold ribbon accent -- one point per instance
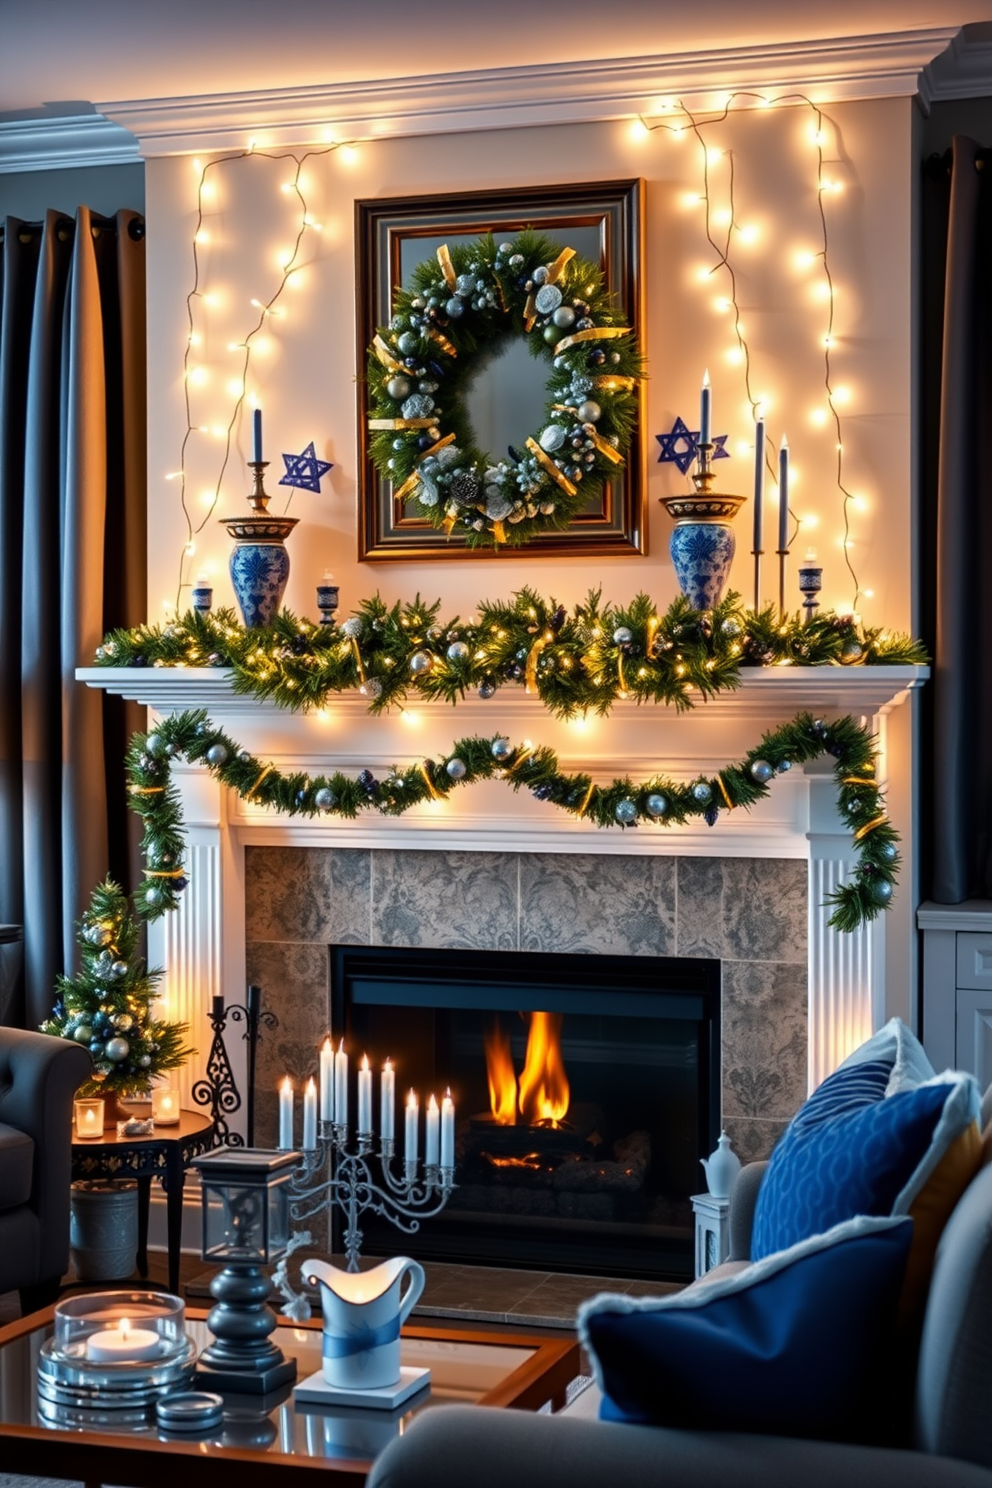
(429, 783)
(499, 532)
(556, 269)
(605, 448)
(401, 423)
(620, 676)
(443, 342)
(385, 356)
(528, 752)
(530, 666)
(723, 792)
(404, 490)
(447, 267)
(358, 658)
(652, 630)
(267, 771)
(858, 780)
(612, 382)
(448, 439)
(869, 827)
(594, 333)
(165, 873)
(550, 466)
(587, 798)
(448, 524)
(146, 790)
(530, 313)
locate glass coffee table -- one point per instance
(266, 1436)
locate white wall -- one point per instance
(306, 385)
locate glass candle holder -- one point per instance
(119, 1327)
(87, 1118)
(165, 1105)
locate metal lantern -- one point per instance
(246, 1226)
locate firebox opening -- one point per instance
(586, 1088)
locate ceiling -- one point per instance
(57, 52)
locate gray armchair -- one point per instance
(39, 1076)
(469, 1447)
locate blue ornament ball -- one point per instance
(153, 896)
(487, 690)
(762, 771)
(887, 852)
(881, 891)
(784, 766)
(657, 804)
(457, 769)
(625, 813)
(501, 749)
(701, 792)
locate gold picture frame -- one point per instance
(603, 220)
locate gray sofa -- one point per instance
(39, 1076)
(469, 1447)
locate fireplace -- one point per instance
(587, 1089)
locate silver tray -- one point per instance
(72, 1381)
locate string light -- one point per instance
(196, 374)
(827, 185)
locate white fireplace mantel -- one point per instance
(202, 946)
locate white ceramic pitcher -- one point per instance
(363, 1313)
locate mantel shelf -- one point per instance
(773, 692)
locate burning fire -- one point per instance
(541, 1096)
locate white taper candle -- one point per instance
(387, 1103)
(286, 1114)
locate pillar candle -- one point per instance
(286, 1115)
(433, 1133)
(256, 425)
(327, 1080)
(783, 495)
(217, 1004)
(412, 1135)
(387, 1103)
(759, 481)
(705, 410)
(310, 1116)
(447, 1131)
(364, 1098)
(253, 1001)
(341, 1086)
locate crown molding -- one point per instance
(53, 142)
(880, 66)
(964, 70)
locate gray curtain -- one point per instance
(957, 521)
(72, 564)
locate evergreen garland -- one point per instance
(623, 802)
(107, 1006)
(460, 309)
(586, 660)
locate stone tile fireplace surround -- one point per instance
(748, 913)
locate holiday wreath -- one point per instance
(460, 310)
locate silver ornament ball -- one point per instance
(588, 411)
(882, 891)
(701, 792)
(352, 627)
(457, 769)
(762, 771)
(420, 662)
(153, 896)
(501, 749)
(887, 852)
(458, 651)
(657, 804)
(622, 635)
(117, 1049)
(625, 812)
(325, 799)
(217, 755)
(398, 388)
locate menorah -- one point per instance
(338, 1170)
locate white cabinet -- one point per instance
(957, 986)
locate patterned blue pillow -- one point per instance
(795, 1345)
(854, 1149)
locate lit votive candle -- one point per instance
(165, 1105)
(88, 1119)
(123, 1344)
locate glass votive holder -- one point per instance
(119, 1327)
(165, 1105)
(87, 1116)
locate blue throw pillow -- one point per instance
(794, 1345)
(864, 1142)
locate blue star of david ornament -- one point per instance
(305, 470)
(681, 435)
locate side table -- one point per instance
(712, 1231)
(166, 1154)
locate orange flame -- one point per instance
(543, 1094)
(502, 1077)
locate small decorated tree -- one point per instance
(107, 1007)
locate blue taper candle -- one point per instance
(257, 436)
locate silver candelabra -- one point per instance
(331, 1174)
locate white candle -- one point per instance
(759, 481)
(364, 1098)
(286, 1115)
(705, 409)
(310, 1116)
(447, 1131)
(123, 1344)
(433, 1133)
(341, 1086)
(88, 1115)
(165, 1105)
(412, 1133)
(783, 495)
(327, 1080)
(387, 1103)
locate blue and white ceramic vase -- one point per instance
(702, 544)
(259, 563)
